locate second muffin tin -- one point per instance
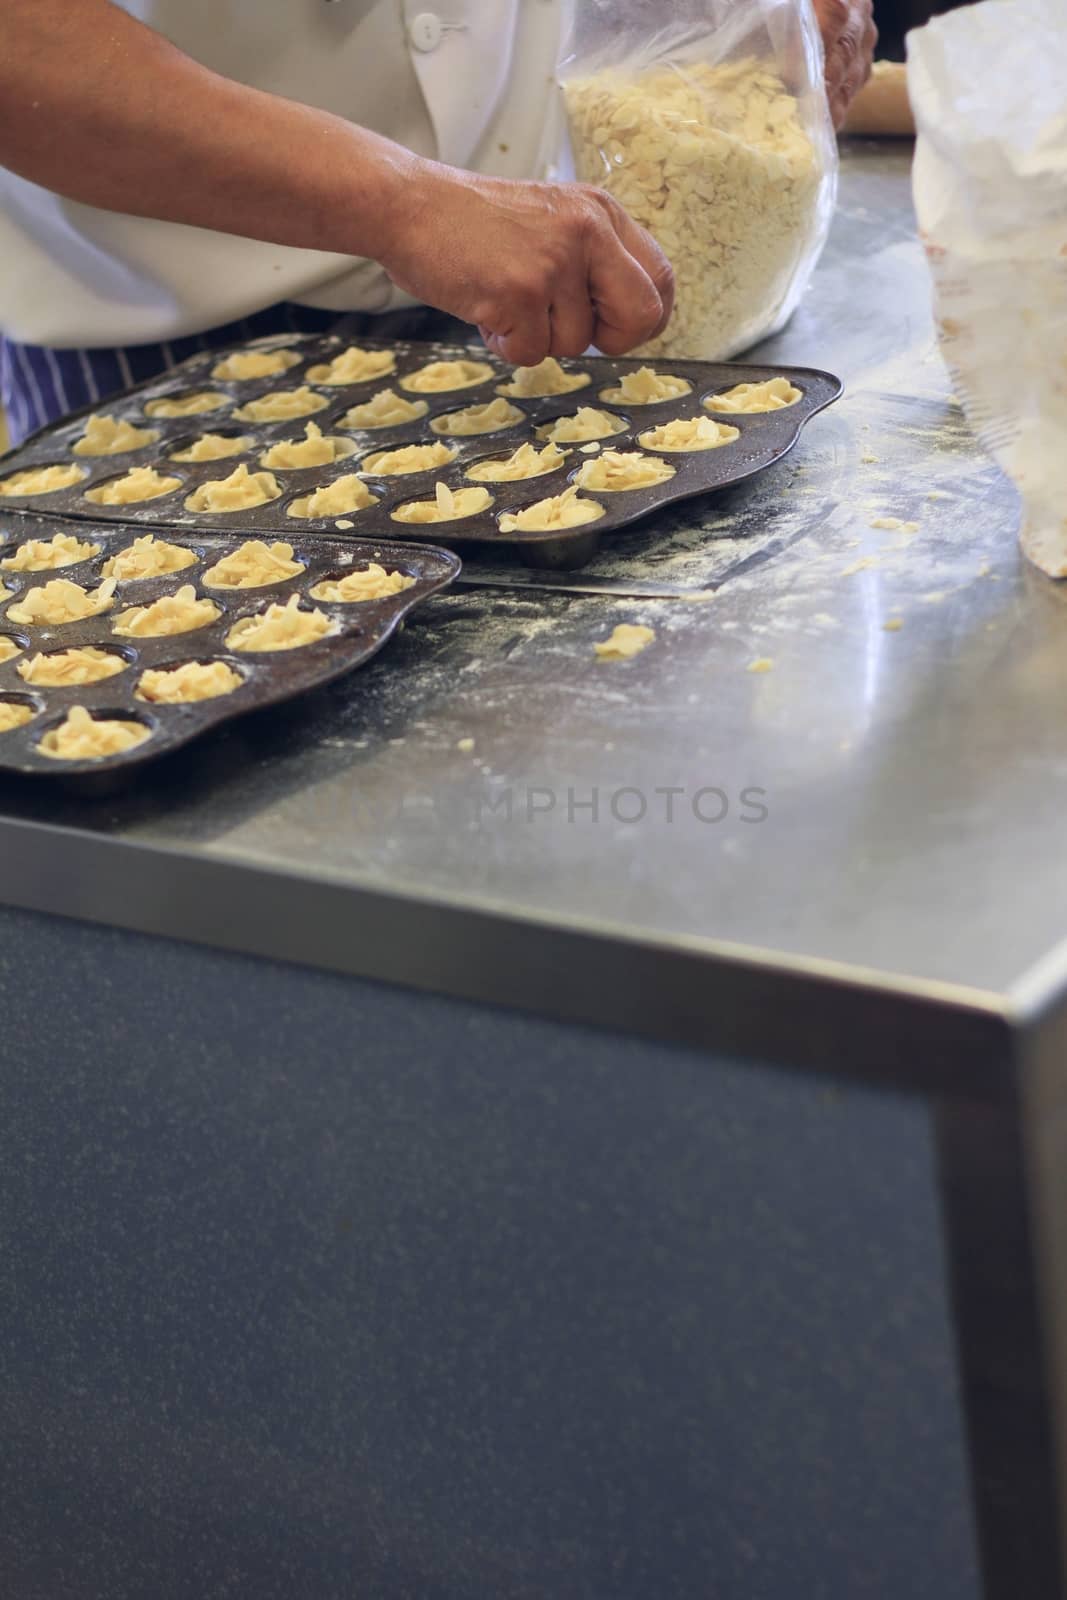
(362, 628)
(763, 439)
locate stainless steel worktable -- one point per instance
(847, 863)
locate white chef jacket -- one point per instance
(468, 82)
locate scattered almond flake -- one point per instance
(893, 625)
(761, 664)
(589, 449)
(870, 461)
(891, 523)
(627, 640)
(909, 527)
(860, 566)
(934, 596)
(345, 522)
(465, 745)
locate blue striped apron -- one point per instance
(38, 384)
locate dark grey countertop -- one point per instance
(905, 879)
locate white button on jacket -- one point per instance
(467, 83)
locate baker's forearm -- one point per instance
(102, 109)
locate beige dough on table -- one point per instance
(110, 436)
(214, 447)
(253, 565)
(140, 483)
(438, 376)
(488, 418)
(148, 557)
(45, 555)
(187, 405)
(170, 614)
(184, 685)
(315, 449)
(9, 648)
(548, 377)
(882, 108)
(239, 492)
(13, 714)
(525, 462)
(280, 628)
(345, 494)
(60, 602)
(627, 641)
(408, 458)
(354, 366)
(774, 394)
(241, 365)
(585, 423)
(646, 387)
(42, 480)
(282, 405)
(564, 510)
(370, 583)
(617, 470)
(386, 409)
(82, 737)
(448, 505)
(66, 668)
(689, 433)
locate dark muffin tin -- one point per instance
(764, 439)
(270, 677)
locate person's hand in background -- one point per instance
(849, 37)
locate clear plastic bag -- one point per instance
(987, 87)
(712, 129)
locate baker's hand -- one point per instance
(541, 268)
(849, 37)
